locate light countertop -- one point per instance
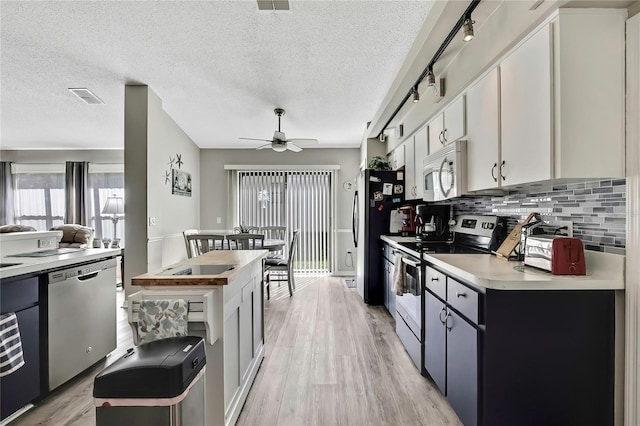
(604, 271)
(238, 258)
(29, 265)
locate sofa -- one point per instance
(75, 236)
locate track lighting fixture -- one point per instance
(466, 24)
(467, 29)
(431, 79)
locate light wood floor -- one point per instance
(330, 360)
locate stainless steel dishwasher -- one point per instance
(82, 318)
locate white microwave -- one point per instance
(445, 172)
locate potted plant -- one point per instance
(379, 163)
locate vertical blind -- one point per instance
(297, 199)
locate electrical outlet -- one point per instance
(49, 243)
(218, 220)
(152, 221)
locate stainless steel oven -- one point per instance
(409, 308)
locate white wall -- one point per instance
(60, 156)
(151, 138)
(215, 196)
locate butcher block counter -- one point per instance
(239, 261)
(225, 298)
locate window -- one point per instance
(105, 180)
(39, 195)
(298, 199)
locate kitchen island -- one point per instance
(512, 344)
(225, 294)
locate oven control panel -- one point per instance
(475, 225)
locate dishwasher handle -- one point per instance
(88, 276)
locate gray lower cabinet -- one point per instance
(462, 368)
(521, 357)
(435, 341)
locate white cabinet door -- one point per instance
(420, 150)
(399, 157)
(436, 136)
(483, 136)
(454, 120)
(409, 170)
(525, 94)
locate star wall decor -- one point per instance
(170, 163)
(179, 160)
(167, 176)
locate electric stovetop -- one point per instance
(442, 248)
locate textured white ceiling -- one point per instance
(220, 67)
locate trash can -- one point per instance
(158, 383)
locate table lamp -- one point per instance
(114, 207)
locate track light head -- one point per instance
(416, 95)
(467, 29)
(431, 79)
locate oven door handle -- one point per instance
(411, 262)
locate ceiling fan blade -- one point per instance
(303, 142)
(252, 139)
(264, 146)
(292, 147)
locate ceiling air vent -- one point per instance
(273, 5)
(87, 96)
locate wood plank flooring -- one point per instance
(330, 360)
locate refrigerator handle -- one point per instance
(354, 219)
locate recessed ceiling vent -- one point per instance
(275, 5)
(87, 96)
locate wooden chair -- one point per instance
(203, 243)
(189, 245)
(274, 232)
(244, 241)
(282, 265)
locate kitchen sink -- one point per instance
(6, 265)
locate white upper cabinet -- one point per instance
(415, 149)
(562, 100)
(454, 120)
(526, 111)
(483, 133)
(396, 157)
(421, 149)
(409, 169)
(436, 133)
(448, 126)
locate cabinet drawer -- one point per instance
(388, 252)
(437, 283)
(464, 299)
(18, 294)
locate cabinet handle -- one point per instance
(444, 133)
(446, 321)
(501, 166)
(435, 279)
(493, 169)
(441, 137)
(461, 294)
(443, 310)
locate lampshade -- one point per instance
(114, 206)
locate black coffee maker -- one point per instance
(432, 222)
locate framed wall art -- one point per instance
(181, 183)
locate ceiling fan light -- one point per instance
(467, 30)
(279, 147)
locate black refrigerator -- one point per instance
(377, 194)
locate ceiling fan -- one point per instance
(280, 143)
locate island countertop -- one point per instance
(239, 259)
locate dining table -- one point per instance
(270, 244)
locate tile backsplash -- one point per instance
(596, 208)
